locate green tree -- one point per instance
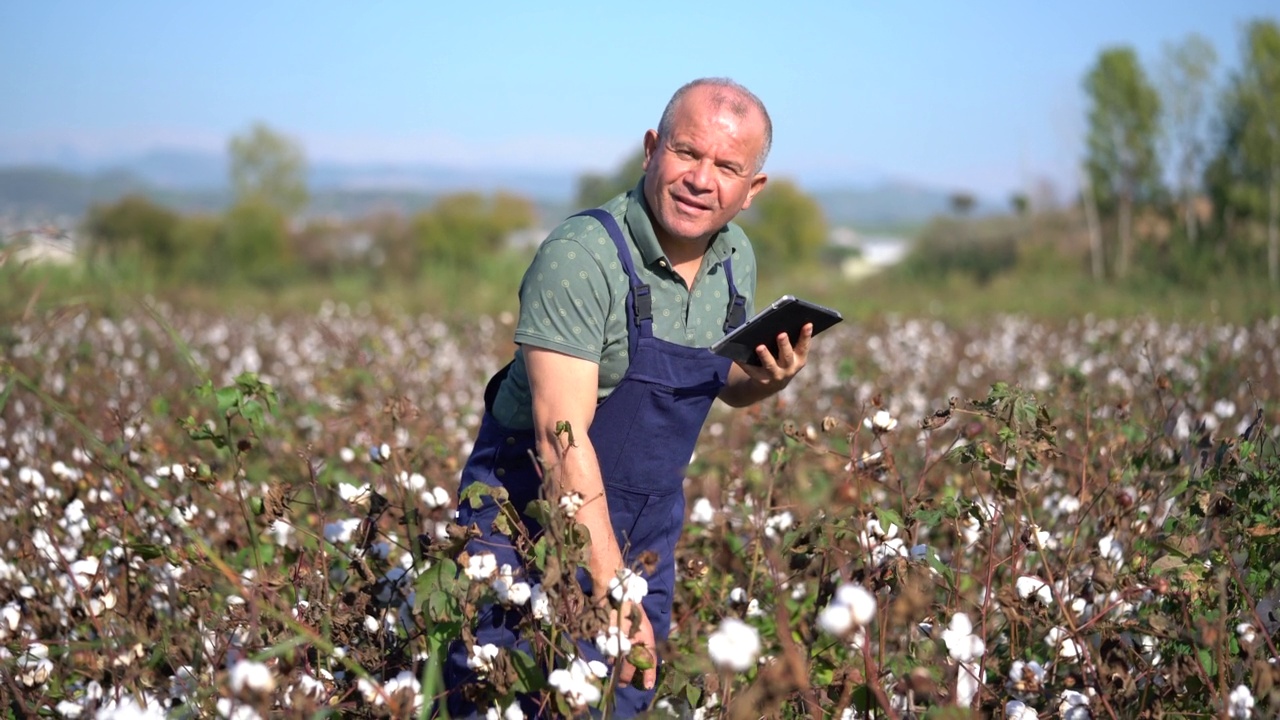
(1186, 75)
(199, 237)
(962, 202)
(785, 224)
(1243, 179)
(1123, 167)
(1259, 96)
(135, 226)
(463, 229)
(595, 189)
(268, 168)
(255, 239)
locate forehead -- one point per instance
(720, 116)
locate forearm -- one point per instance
(575, 469)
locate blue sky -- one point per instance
(981, 95)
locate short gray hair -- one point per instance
(738, 99)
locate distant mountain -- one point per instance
(42, 192)
(196, 181)
(889, 204)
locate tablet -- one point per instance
(787, 314)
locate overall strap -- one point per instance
(737, 312)
(640, 308)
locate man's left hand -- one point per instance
(752, 383)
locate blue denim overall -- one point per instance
(644, 433)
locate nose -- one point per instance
(699, 176)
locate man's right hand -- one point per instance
(642, 645)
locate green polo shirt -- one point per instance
(573, 294)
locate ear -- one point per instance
(650, 147)
(757, 184)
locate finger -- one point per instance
(802, 346)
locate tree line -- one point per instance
(1174, 157)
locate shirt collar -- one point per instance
(640, 222)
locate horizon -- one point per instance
(984, 99)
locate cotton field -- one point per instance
(240, 517)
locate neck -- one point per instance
(680, 251)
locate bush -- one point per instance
(978, 250)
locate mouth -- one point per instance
(689, 205)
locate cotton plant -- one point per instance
(966, 649)
(734, 645)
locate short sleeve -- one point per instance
(564, 300)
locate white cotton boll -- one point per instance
(613, 643)
(860, 601)
(734, 645)
(835, 619)
(482, 657)
(346, 455)
(1240, 703)
(778, 524)
(437, 498)
(33, 668)
(627, 586)
(1111, 550)
(1018, 710)
(1030, 586)
(962, 644)
(371, 624)
(251, 677)
(703, 513)
(307, 686)
(539, 603)
(68, 709)
(342, 530)
(353, 494)
(481, 567)
(760, 453)
(570, 504)
(1026, 678)
(10, 619)
(1247, 632)
(1073, 705)
(882, 421)
(577, 683)
(968, 679)
(126, 707)
(1069, 649)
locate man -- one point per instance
(616, 313)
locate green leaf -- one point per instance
(146, 551)
(251, 410)
(529, 676)
(887, 516)
(476, 493)
(227, 398)
(928, 517)
(540, 512)
(1206, 660)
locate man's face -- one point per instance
(704, 174)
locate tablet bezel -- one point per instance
(786, 314)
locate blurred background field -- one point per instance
(1125, 169)
(1054, 233)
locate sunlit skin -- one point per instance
(696, 180)
(702, 175)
